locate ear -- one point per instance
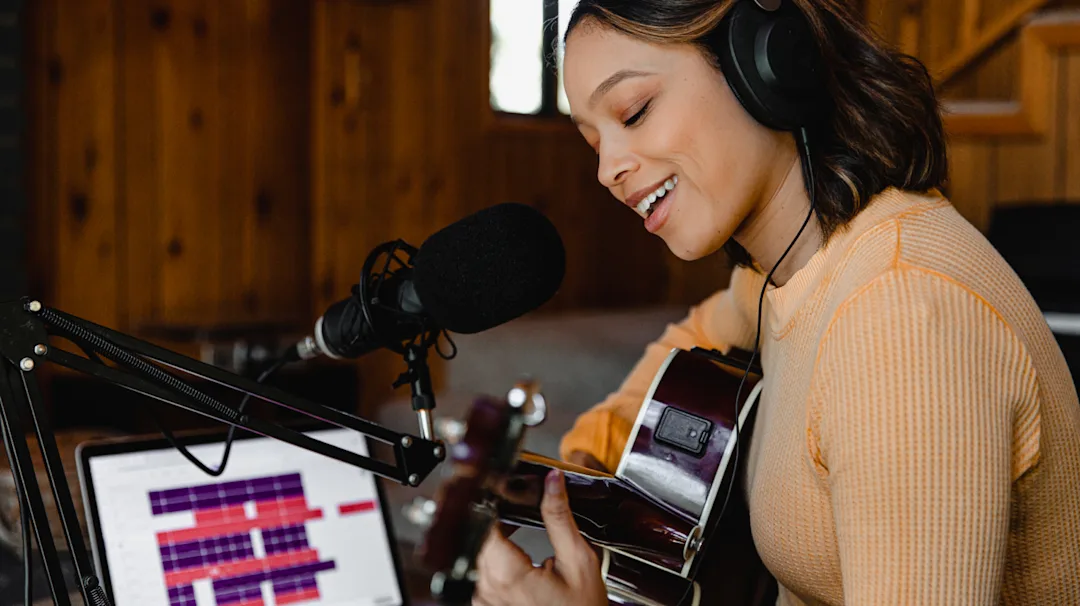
(772, 63)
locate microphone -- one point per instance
(482, 271)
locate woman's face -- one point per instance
(663, 120)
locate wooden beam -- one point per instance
(969, 21)
(986, 38)
(909, 27)
(1030, 114)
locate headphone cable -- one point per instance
(808, 177)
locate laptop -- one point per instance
(280, 526)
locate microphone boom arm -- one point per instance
(25, 327)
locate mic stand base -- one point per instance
(19, 395)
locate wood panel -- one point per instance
(1071, 168)
(139, 138)
(190, 230)
(268, 192)
(1026, 167)
(969, 189)
(991, 10)
(42, 76)
(178, 136)
(942, 28)
(994, 78)
(85, 207)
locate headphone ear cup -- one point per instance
(772, 63)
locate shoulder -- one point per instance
(920, 239)
(919, 348)
(917, 301)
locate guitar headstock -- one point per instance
(465, 504)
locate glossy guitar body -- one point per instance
(656, 522)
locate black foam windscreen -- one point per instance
(489, 268)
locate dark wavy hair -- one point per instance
(884, 130)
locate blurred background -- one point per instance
(211, 174)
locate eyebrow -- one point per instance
(612, 80)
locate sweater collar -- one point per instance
(784, 301)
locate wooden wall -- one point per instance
(172, 160)
(989, 169)
(230, 163)
(202, 161)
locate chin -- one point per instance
(696, 243)
(693, 240)
(690, 251)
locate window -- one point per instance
(526, 56)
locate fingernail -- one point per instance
(554, 481)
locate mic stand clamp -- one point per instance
(418, 375)
(25, 327)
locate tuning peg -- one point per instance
(526, 394)
(421, 511)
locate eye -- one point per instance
(632, 120)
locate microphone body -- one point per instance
(343, 331)
(477, 273)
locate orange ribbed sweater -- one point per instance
(918, 435)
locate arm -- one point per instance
(724, 320)
(922, 414)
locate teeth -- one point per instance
(645, 205)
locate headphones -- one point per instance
(771, 60)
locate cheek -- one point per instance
(703, 134)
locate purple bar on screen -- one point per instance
(216, 496)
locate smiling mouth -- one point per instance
(650, 202)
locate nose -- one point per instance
(616, 163)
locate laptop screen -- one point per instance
(280, 526)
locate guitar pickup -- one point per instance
(680, 429)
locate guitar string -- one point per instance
(808, 175)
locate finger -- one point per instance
(500, 561)
(570, 548)
(482, 593)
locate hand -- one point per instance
(507, 575)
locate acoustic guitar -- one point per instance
(670, 525)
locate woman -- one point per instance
(918, 440)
